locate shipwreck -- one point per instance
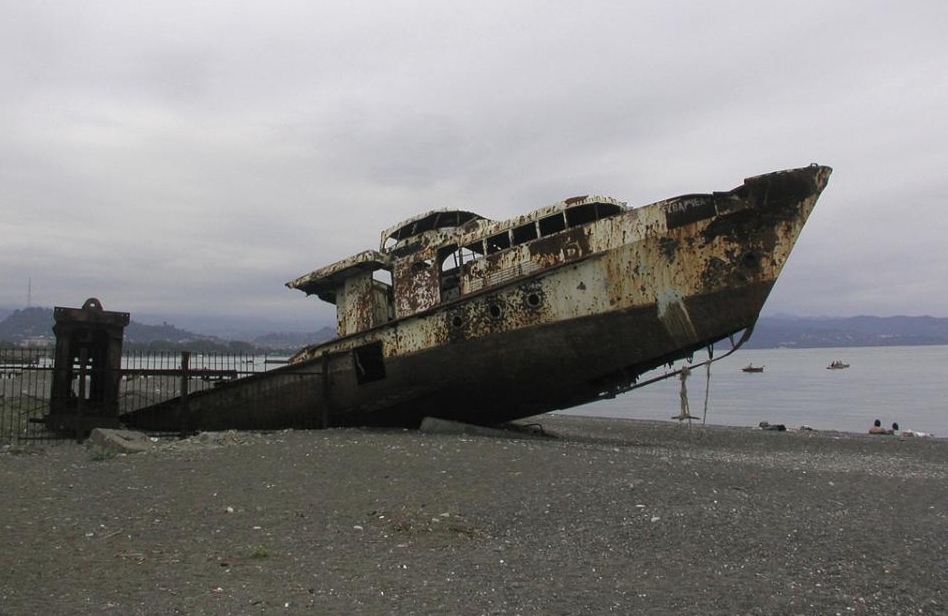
(465, 318)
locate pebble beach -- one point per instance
(593, 516)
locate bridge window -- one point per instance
(524, 233)
(590, 212)
(552, 224)
(581, 214)
(471, 252)
(498, 242)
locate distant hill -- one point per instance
(35, 326)
(817, 332)
(27, 323)
(38, 322)
(229, 327)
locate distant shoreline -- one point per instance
(770, 332)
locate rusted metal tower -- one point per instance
(87, 369)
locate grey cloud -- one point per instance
(195, 157)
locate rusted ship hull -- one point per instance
(531, 371)
(544, 368)
(601, 304)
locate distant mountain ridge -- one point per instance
(27, 323)
(36, 323)
(819, 332)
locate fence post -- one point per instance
(327, 394)
(80, 402)
(185, 381)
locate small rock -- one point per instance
(119, 441)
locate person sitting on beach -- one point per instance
(877, 428)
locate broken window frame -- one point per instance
(498, 242)
(552, 224)
(369, 362)
(446, 253)
(582, 214)
(471, 252)
(450, 272)
(525, 233)
(421, 264)
(383, 276)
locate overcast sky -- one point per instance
(190, 158)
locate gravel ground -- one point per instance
(606, 516)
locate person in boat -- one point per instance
(877, 428)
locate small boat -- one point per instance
(837, 365)
(752, 368)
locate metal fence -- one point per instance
(148, 380)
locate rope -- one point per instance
(734, 346)
(707, 383)
(685, 414)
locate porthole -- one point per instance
(495, 311)
(456, 321)
(533, 300)
(750, 260)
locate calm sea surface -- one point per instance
(908, 385)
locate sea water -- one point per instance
(908, 385)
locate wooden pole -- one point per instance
(327, 394)
(185, 380)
